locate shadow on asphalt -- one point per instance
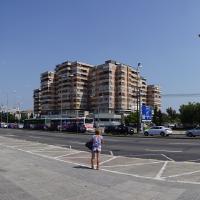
(81, 167)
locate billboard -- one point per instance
(146, 113)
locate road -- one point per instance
(174, 148)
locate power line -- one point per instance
(182, 95)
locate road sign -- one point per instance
(146, 113)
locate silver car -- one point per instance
(158, 130)
(193, 132)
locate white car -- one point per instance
(193, 132)
(158, 130)
(4, 125)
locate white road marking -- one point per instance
(164, 150)
(184, 143)
(146, 154)
(183, 174)
(108, 160)
(167, 157)
(136, 164)
(67, 154)
(123, 173)
(159, 174)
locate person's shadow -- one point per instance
(81, 167)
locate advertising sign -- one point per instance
(146, 113)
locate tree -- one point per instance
(190, 114)
(171, 114)
(157, 117)
(131, 118)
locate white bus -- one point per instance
(80, 124)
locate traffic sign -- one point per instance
(146, 113)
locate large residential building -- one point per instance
(76, 87)
(47, 93)
(114, 88)
(154, 96)
(72, 88)
(37, 101)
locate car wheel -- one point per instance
(189, 134)
(162, 134)
(146, 133)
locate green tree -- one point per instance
(157, 117)
(190, 114)
(131, 118)
(171, 114)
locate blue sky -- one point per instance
(35, 35)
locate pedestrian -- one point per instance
(96, 148)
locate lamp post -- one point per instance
(7, 108)
(1, 112)
(138, 100)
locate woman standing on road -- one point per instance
(96, 148)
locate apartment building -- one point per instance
(37, 102)
(75, 87)
(47, 96)
(154, 96)
(114, 88)
(71, 88)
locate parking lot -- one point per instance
(165, 169)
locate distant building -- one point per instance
(154, 96)
(76, 88)
(47, 93)
(37, 102)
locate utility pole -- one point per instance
(138, 100)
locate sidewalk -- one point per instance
(36, 171)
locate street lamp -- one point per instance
(7, 109)
(138, 100)
(1, 112)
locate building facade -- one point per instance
(47, 93)
(75, 88)
(154, 96)
(71, 88)
(114, 88)
(37, 102)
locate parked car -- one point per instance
(12, 125)
(193, 132)
(4, 125)
(158, 130)
(20, 126)
(119, 129)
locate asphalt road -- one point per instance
(173, 148)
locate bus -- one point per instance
(80, 124)
(38, 123)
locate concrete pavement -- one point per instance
(31, 170)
